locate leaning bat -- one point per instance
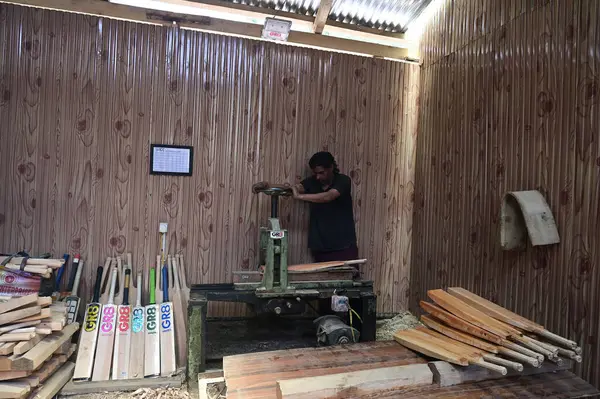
(180, 314)
(89, 335)
(73, 300)
(120, 370)
(152, 334)
(136, 357)
(106, 336)
(167, 329)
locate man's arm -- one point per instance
(341, 186)
(300, 188)
(320, 198)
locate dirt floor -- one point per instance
(385, 331)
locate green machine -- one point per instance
(273, 248)
(273, 278)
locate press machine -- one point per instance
(275, 289)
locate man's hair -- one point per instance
(323, 159)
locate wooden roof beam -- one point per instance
(299, 17)
(322, 15)
(212, 25)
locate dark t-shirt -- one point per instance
(331, 224)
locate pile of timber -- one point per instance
(466, 329)
(380, 369)
(39, 266)
(368, 368)
(35, 345)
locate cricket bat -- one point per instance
(73, 269)
(106, 335)
(73, 300)
(120, 370)
(136, 357)
(179, 315)
(167, 329)
(109, 266)
(89, 335)
(59, 274)
(152, 334)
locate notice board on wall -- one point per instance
(174, 160)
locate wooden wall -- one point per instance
(81, 99)
(510, 100)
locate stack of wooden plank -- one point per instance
(317, 372)
(381, 369)
(35, 344)
(466, 329)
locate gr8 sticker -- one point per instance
(124, 313)
(137, 324)
(108, 318)
(277, 234)
(91, 317)
(151, 318)
(165, 316)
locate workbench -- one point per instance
(360, 294)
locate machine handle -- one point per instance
(275, 190)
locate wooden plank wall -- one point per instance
(510, 100)
(81, 99)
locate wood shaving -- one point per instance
(388, 327)
(142, 393)
(216, 390)
(161, 393)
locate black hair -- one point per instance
(323, 159)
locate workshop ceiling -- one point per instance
(386, 15)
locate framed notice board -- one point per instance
(173, 160)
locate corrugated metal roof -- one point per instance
(388, 15)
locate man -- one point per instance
(331, 235)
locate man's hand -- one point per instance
(295, 192)
(258, 187)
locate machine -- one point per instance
(276, 288)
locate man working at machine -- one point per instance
(332, 235)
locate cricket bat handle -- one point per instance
(138, 300)
(77, 278)
(165, 284)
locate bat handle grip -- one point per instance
(165, 284)
(98, 284)
(152, 286)
(126, 287)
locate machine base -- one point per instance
(360, 294)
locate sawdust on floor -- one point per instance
(142, 393)
(214, 391)
(387, 327)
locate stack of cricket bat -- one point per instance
(22, 276)
(138, 329)
(39, 266)
(35, 344)
(464, 328)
